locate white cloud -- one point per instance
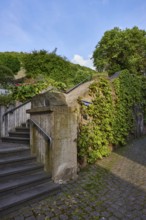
(77, 59)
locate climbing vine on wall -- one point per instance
(128, 91)
(97, 133)
(110, 117)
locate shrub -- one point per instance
(23, 92)
(10, 61)
(6, 75)
(55, 67)
(6, 99)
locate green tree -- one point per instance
(6, 75)
(121, 49)
(10, 61)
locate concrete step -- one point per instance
(23, 196)
(22, 169)
(15, 140)
(7, 145)
(16, 160)
(22, 129)
(19, 134)
(9, 152)
(22, 181)
(24, 125)
(22, 178)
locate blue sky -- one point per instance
(74, 27)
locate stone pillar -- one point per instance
(64, 146)
(59, 121)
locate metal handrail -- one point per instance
(76, 86)
(13, 109)
(41, 129)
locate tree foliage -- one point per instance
(10, 61)
(55, 67)
(121, 49)
(6, 75)
(42, 69)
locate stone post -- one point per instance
(64, 146)
(59, 121)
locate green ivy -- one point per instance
(110, 117)
(128, 90)
(23, 92)
(95, 135)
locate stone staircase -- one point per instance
(22, 178)
(20, 135)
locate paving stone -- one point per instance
(138, 218)
(95, 214)
(30, 218)
(144, 211)
(112, 189)
(105, 214)
(49, 214)
(27, 213)
(118, 214)
(63, 217)
(19, 218)
(54, 218)
(114, 218)
(88, 209)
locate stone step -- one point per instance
(22, 178)
(9, 152)
(22, 129)
(7, 145)
(24, 125)
(23, 196)
(19, 134)
(22, 169)
(15, 140)
(16, 160)
(22, 181)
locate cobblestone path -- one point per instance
(113, 189)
